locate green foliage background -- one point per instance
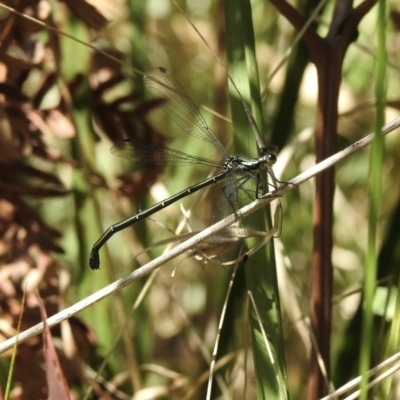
(164, 345)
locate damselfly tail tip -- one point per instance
(94, 261)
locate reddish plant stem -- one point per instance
(327, 54)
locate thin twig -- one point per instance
(195, 240)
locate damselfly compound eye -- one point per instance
(271, 159)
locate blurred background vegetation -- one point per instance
(62, 105)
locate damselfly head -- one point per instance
(268, 157)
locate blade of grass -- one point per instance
(261, 278)
(392, 346)
(89, 208)
(7, 391)
(375, 189)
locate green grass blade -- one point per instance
(261, 277)
(375, 189)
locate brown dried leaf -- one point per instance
(87, 13)
(394, 104)
(138, 184)
(395, 17)
(47, 83)
(60, 124)
(13, 94)
(23, 229)
(18, 63)
(18, 134)
(22, 179)
(56, 383)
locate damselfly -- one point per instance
(236, 170)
